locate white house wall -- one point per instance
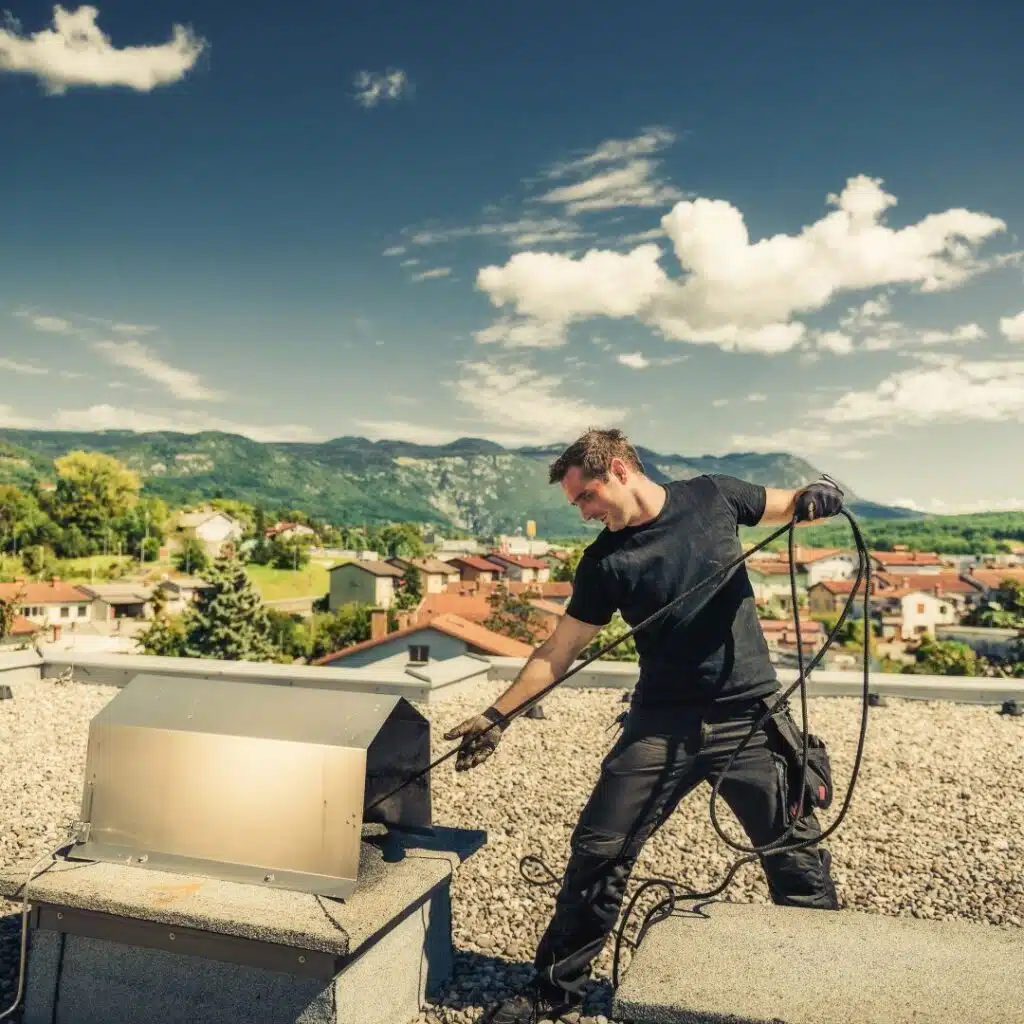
(395, 653)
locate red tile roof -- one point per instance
(992, 578)
(946, 582)
(476, 562)
(889, 559)
(471, 633)
(474, 607)
(523, 561)
(547, 589)
(23, 627)
(43, 593)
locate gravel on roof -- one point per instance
(935, 828)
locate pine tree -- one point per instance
(228, 620)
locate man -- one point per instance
(700, 689)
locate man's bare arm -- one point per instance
(551, 659)
(779, 507)
(480, 733)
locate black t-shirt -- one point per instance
(722, 654)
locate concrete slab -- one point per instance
(112, 942)
(395, 873)
(763, 964)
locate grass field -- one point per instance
(275, 584)
(71, 570)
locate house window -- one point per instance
(920, 608)
(943, 609)
(83, 610)
(419, 652)
(65, 611)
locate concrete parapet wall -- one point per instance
(20, 667)
(964, 689)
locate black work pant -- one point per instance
(660, 757)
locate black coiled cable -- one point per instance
(676, 889)
(667, 906)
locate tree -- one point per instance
(348, 625)
(290, 636)
(398, 540)
(626, 651)
(513, 616)
(408, 590)
(288, 554)
(22, 520)
(1003, 610)
(945, 658)
(191, 557)
(8, 611)
(565, 571)
(92, 489)
(228, 620)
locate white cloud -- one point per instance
(428, 275)
(76, 52)
(743, 296)
(651, 140)
(719, 402)
(134, 356)
(757, 398)
(638, 361)
(1012, 327)
(634, 185)
(523, 333)
(412, 262)
(374, 86)
(519, 234)
(26, 368)
(394, 250)
(109, 417)
(523, 406)
(835, 341)
(634, 360)
(50, 324)
(650, 235)
(400, 430)
(945, 389)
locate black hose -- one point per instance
(667, 906)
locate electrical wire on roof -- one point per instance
(675, 888)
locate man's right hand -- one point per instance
(481, 735)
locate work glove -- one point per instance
(481, 735)
(819, 500)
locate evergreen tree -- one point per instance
(228, 620)
(513, 616)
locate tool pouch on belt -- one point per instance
(786, 740)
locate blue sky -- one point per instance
(735, 231)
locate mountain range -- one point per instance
(471, 486)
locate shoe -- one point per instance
(530, 1007)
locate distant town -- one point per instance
(326, 595)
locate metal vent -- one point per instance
(249, 782)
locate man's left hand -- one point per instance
(820, 500)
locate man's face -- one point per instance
(602, 500)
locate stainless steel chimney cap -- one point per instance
(249, 782)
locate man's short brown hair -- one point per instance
(592, 453)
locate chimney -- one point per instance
(378, 623)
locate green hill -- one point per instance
(471, 485)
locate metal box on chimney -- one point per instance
(249, 782)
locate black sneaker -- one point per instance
(530, 1007)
